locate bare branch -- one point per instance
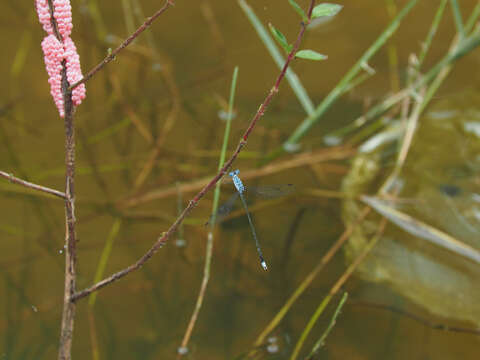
(243, 141)
(111, 56)
(30, 185)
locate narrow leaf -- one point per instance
(326, 9)
(422, 230)
(275, 52)
(281, 39)
(299, 10)
(310, 55)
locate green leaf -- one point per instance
(299, 10)
(310, 55)
(282, 40)
(326, 9)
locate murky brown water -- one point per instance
(144, 316)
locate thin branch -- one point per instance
(30, 185)
(123, 45)
(165, 236)
(69, 306)
(68, 315)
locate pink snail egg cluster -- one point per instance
(63, 15)
(44, 15)
(57, 53)
(74, 72)
(53, 52)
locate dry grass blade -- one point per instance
(323, 155)
(309, 278)
(422, 230)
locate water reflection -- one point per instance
(440, 194)
(137, 111)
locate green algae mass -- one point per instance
(440, 186)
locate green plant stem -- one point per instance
(473, 19)
(333, 321)
(457, 16)
(392, 50)
(128, 17)
(210, 237)
(464, 47)
(333, 291)
(94, 12)
(311, 120)
(456, 51)
(309, 279)
(311, 323)
(431, 33)
(107, 250)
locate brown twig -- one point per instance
(68, 315)
(165, 236)
(30, 185)
(69, 307)
(123, 45)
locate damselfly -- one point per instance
(242, 191)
